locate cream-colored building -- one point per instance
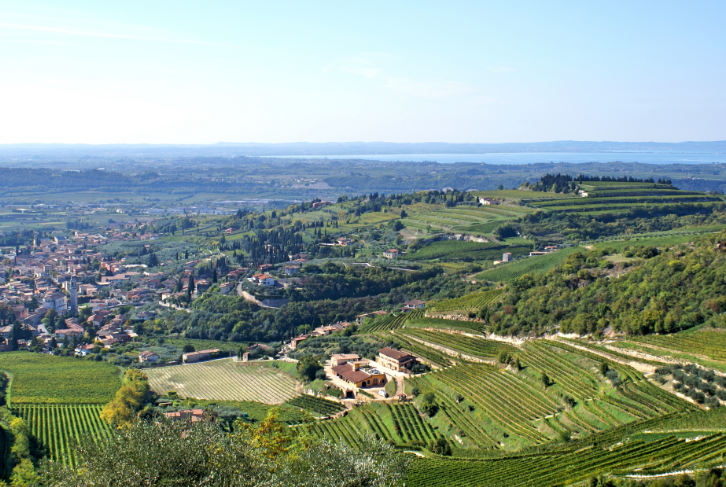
(395, 360)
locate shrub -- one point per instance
(440, 447)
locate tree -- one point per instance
(188, 348)
(307, 367)
(24, 474)
(545, 379)
(428, 405)
(604, 367)
(440, 446)
(153, 260)
(190, 288)
(129, 398)
(162, 452)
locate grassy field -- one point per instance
(224, 380)
(40, 379)
(530, 265)
(460, 250)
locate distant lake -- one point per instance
(653, 157)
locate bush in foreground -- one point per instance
(181, 454)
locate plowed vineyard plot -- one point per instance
(58, 427)
(224, 380)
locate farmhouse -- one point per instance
(148, 356)
(193, 415)
(296, 341)
(226, 287)
(263, 280)
(292, 269)
(343, 358)
(359, 378)
(198, 356)
(390, 254)
(506, 257)
(395, 359)
(413, 304)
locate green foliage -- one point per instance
(307, 367)
(41, 379)
(201, 454)
(440, 446)
(654, 297)
(641, 219)
(129, 399)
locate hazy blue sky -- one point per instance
(449, 71)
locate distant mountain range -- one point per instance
(307, 149)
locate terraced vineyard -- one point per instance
(708, 343)
(58, 427)
(570, 465)
(400, 423)
(530, 265)
(224, 380)
(476, 347)
(512, 413)
(316, 405)
(613, 197)
(469, 302)
(466, 326)
(391, 321)
(428, 354)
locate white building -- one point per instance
(390, 254)
(56, 301)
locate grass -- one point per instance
(224, 380)
(38, 379)
(529, 265)
(462, 250)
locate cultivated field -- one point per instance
(469, 302)
(224, 380)
(530, 265)
(58, 427)
(39, 379)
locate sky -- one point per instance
(406, 71)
